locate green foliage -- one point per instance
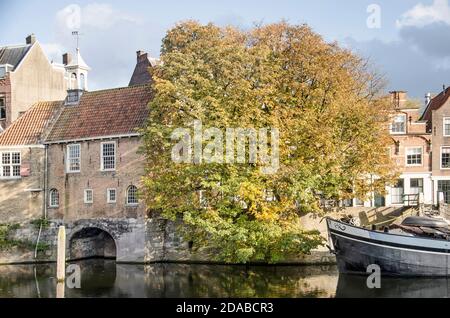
(324, 101)
(7, 243)
(45, 223)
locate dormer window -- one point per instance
(4, 69)
(398, 126)
(73, 96)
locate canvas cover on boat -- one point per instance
(424, 221)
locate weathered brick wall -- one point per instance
(71, 186)
(17, 203)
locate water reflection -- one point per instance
(104, 278)
(350, 286)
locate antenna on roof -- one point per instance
(77, 36)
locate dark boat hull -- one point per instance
(396, 255)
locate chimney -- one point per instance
(427, 98)
(398, 98)
(67, 58)
(31, 39)
(141, 55)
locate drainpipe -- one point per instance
(45, 199)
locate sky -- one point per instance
(408, 41)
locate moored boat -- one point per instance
(418, 247)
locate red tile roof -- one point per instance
(436, 103)
(29, 128)
(108, 112)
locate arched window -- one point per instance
(54, 198)
(132, 198)
(82, 82)
(73, 81)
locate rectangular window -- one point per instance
(399, 124)
(2, 108)
(414, 156)
(444, 186)
(446, 127)
(108, 156)
(415, 188)
(347, 203)
(88, 196)
(397, 192)
(111, 195)
(359, 202)
(73, 158)
(10, 165)
(445, 158)
(379, 200)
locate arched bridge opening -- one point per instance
(92, 242)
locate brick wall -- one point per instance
(71, 186)
(17, 203)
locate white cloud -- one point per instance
(103, 16)
(422, 15)
(94, 15)
(69, 17)
(109, 40)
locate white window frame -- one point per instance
(398, 132)
(102, 168)
(421, 157)
(402, 198)
(440, 158)
(10, 165)
(50, 203)
(86, 201)
(443, 126)
(108, 195)
(126, 198)
(68, 159)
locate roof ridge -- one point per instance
(14, 46)
(117, 88)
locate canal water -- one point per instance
(105, 278)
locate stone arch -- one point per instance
(91, 242)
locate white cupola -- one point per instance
(76, 71)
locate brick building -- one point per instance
(76, 157)
(27, 77)
(437, 119)
(411, 151)
(94, 169)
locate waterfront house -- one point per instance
(94, 168)
(411, 151)
(437, 118)
(22, 164)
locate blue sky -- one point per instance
(411, 47)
